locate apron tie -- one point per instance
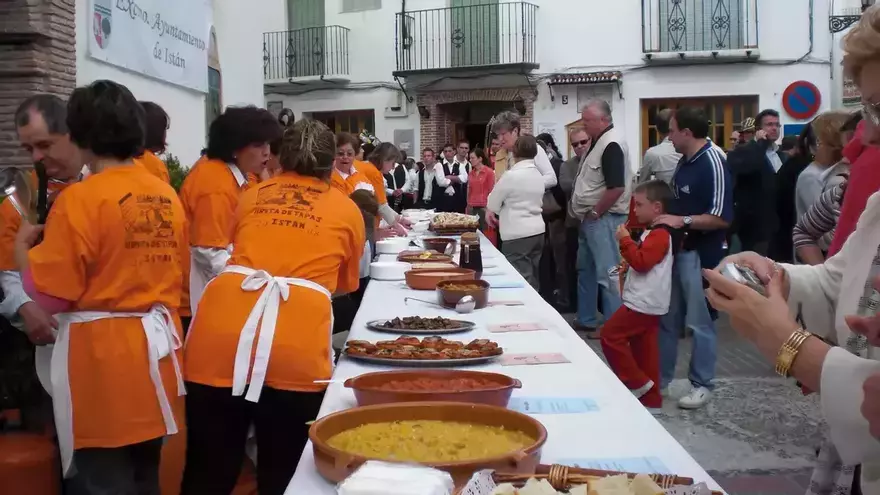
(264, 316)
(162, 341)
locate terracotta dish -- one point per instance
(428, 279)
(451, 291)
(478, 387)
(423, 257)
(439, 244)
(336, 465)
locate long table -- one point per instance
(617, 431)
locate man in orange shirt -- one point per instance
(42, 130)
(154, 143)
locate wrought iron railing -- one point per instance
(699, 25)
(315, 51)
(483, 35)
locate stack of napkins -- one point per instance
(383, 478)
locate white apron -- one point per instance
(162, 341)
(198, 279)
(265, 313)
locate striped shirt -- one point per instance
(816, 226)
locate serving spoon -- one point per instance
(464, 305)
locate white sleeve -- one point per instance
(210, 261)
(546, 169)
(441, 179)
(843, 375)
(13, 292)
(463, 173)
(388, 190)
(497, 196)
(647, 167)
(408, 185)
(388, 214)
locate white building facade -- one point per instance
(423, 73)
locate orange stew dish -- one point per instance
(427, 384)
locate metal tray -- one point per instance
(464, 326)
(424, 363)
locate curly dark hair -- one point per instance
(308, 148)
(157, 127)
(344, 138)
(240, 127)
(106, 119)
(383, 153)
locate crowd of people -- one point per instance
(125, 266)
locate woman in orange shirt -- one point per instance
(238, 145)
(154, 142)
(111, 263)
(297, 241)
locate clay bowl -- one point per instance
(421, 257)
(439, 244)
(427, 279)
(449, 297)
(336, 465)
(367, 387)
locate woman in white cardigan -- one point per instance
(517, 199)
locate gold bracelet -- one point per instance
(789, 351)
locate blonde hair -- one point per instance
(308, 148)
(862, 44)
(826, 128)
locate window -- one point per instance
(353, 121)
(214, 98)
(360, 5)
(701, 25)
(725, 116)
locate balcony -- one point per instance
(691, 30)
(487, 36)
(316, 52)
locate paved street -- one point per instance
(757, 435)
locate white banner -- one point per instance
(164, 39)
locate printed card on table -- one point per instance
(533, 359)
(517, 327)
(505, 303)
(552, 405)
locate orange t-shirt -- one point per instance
(10, 220)
(289, 226)
(154, 165)
(209, 195)
(114, 242)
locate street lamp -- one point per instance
(838, 23)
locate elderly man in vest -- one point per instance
(600, 201)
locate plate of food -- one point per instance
(421, 325)
(423, 257)
(454, 223)
(434, 351)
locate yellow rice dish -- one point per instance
(429, 441)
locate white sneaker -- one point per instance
(644, 389)
(697, 398)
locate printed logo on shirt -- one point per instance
(148, 221)
(686, 189)
(288, 205)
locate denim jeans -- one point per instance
(598, 253)
(687, 306)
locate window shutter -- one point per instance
(360, 5)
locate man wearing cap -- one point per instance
(753, 167)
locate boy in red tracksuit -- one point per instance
(629, 337)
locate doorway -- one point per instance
(472, 132)
(475, 33)
(305, 38)
(725, 116)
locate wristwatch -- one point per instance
(688, 220)
(789, 351)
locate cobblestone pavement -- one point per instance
(757, 435)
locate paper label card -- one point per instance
(552, 405)
(517, 327)
(506, 303)
(649, 465)
(533, 359)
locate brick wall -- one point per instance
(438, 129)
(37, 55)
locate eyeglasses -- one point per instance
(583, 142)
(871, 112)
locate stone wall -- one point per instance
(438, 128)
(37, 55)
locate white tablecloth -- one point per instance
(620, 429)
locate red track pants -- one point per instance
(629, 341)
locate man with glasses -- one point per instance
(661, 160)
(566, 249)
(753, 167)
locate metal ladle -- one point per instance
(464, 305)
